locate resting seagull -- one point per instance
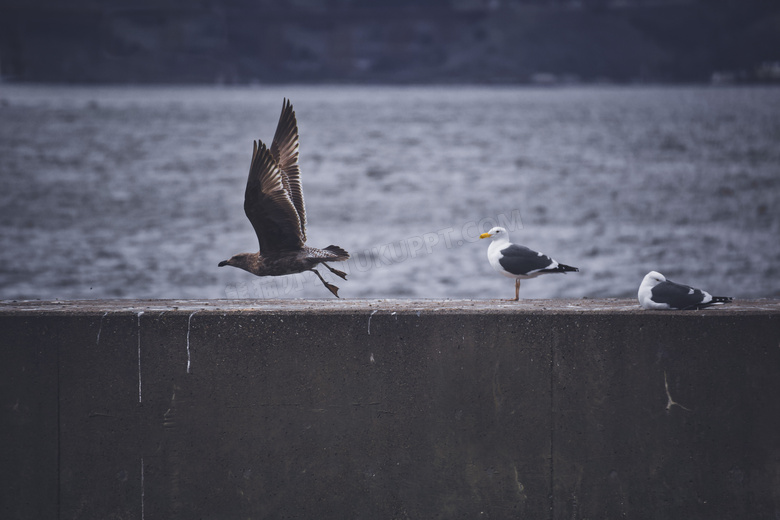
(656, 292)
(519, 262)
(273, 203)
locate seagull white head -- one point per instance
(645, 293)
(652, 279)
(496, 233)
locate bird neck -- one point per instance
(252, 263)
(645, 289)
(499, 242)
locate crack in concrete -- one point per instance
(189, 322)
(140, 313)
(369, 320)
(671, 402)
(100, 328)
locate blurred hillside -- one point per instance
(397, 41)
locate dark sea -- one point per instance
(137, 192)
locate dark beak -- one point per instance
(222, 263)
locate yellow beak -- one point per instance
(485, 235)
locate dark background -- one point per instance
(389, 41)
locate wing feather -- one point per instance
(677, 295)
(519, 260)
(268, 205)
(284, 149)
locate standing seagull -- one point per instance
(273, 203)
(656, 292)
(519, 262)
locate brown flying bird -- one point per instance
(273, 203)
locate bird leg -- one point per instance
(341, 274)
(517, 290)
(332, 288)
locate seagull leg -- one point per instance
(332, 288)
(517, 292)
(341, 274)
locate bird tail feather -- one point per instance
(336, 250)
(567, 268)
(716, 300)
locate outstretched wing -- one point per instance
(268, 205)
(284, 149)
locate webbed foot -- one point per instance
(332, 288)
(340, 274)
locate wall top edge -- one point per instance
(361, 306)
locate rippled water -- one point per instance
(137, 191)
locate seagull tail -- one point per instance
(716, 300)
(721, 299)
(336, 250)
(563, 268)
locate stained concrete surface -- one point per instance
(355, 305)
(389, 409)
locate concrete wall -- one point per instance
(382, 409)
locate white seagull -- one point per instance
(519, 262)
(656, 292)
